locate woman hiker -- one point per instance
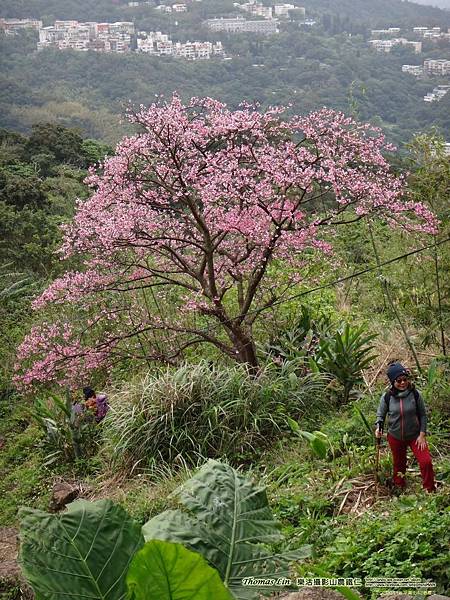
(407, 426)
(98, 403)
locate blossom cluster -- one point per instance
(201, 200)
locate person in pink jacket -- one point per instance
(98, 403)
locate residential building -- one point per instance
(415, 70)
(257, 9)
(308, 23)
(100, 37)
(427, 31)
(159, 44)
(12, 26)
(390, 31)
(437, 94)
(436, 67)
(387, 45)
(282, 10)
(241, 25)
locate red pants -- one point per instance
(398, 448)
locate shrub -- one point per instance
(68, 436)
(411, 540)
(86, 551)
(204, 411)
(343, 352)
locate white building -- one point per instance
(437, 67)
(389, 31)
(12, 26)
(387, 45)
(437, 94)
(99, 37)
(257, 9)
(282, 10)
(241, 25)
(427, 31)
(415, 70)
(159, 44)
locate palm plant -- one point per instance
(345, 355)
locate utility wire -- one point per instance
(215, 326)
(357, 274)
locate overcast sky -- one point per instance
(441, 3)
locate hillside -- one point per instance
(309, 70)
(376, 13)
(290, 429)
(222, 302)
(445, 4)
(379, 13)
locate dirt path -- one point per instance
(8, 553)
(10, 580)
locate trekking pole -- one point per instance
(377, 459)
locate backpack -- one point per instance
(387, 397)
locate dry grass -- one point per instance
(355, 496)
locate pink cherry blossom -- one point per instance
(184, 221)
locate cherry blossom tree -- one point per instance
(176, 240)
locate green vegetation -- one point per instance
(308, 69)
(201, 411)
(409, 541)
(23, 478)
(61, 553)
(303, 426)
(162, 570)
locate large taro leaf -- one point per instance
(167, 571)
(82, 553)
(227, 521)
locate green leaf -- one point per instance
(432, 372)
(365, 421)
(319, 447)
(306, 435)
(345, 591)
(228, 519)
(83, 553)
(295, 427)
(293, 380)
(167, 571)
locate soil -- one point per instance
(8, 552)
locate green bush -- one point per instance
(68, 436)
(410, 540)
(204, 411)
(342, 352)
(345, 354)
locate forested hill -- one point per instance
(378, 12)
(329, 64)
(371, 13)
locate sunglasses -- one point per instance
(402, 380)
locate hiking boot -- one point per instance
(397, 490)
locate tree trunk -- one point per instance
(245, 349)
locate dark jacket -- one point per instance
(406, 418)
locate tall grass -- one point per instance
(202, 411)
